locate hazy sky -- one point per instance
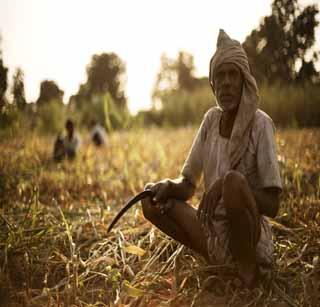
(55, 39)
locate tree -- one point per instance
(175, 74)
(308, 73)
(179, 98)
(18, 89)
(185, 71)
(49, 90)
(282, 42)
(3, 81)
(106, 75)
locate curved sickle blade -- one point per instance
(134, 200)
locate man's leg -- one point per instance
(180, 222)
(244, 220)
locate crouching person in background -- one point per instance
(58, 149)
(98, 134)
(68, 145)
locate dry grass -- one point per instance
(55, 250)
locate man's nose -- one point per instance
(226, 80)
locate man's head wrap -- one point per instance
(230, 51)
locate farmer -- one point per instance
(58, 149)
(67, 145)
(98, 134)
(72, 140)
(235, 152)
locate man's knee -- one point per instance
(152, 211)
(234, 185)
(234, 181)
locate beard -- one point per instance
(228, 106)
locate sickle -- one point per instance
(129, 204)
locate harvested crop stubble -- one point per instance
(53, 228)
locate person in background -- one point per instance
(98, 134)
(71, 141)
(58, 149)
(67, 145)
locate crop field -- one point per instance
(55, 249)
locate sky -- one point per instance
(55, 39)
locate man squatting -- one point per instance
(235, 152)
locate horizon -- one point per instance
(42, 39)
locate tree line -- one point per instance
(282, 58)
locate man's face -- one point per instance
(228, 81)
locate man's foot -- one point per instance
(249, 274)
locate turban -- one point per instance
(230, 51)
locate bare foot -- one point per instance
(249, 274)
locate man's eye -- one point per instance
(234, 74)
(219, 75)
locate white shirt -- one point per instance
(209, 157)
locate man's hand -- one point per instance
(162, 192)
(210, 200)
(167, 189)
(268, 200)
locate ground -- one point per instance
(55, 249)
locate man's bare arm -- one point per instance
(268, 200)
